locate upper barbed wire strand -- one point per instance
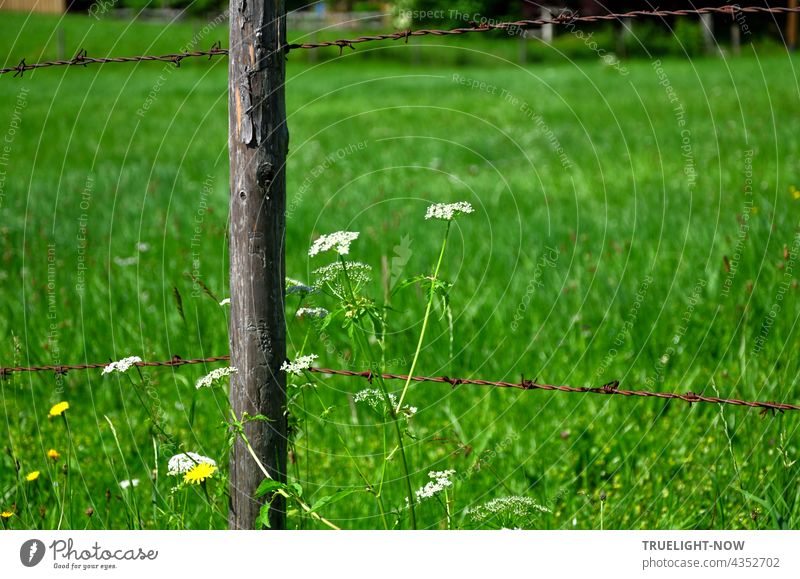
(612, 388)
(566, 17)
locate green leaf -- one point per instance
(335, 497)
(295, 489)
(263, 516)
(268, 485)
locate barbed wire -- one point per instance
(566, 17)
(82, 59)
(612, 388)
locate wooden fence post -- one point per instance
(258, 141)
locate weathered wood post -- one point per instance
(258, 141)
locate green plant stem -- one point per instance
(282, 492)
(428, 309)
(392, 414)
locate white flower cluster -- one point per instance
(440, 480)
(312, 313)
(215, 376)
(513, 506)
(124, 484)
(122, 365)
(297, 367)
(446, 211)
(184, 462)
(357, 272)
(377, 402)
(340, 241)
(294, 286)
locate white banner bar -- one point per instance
(385, 555)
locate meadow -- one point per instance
(640, 227)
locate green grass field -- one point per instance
(639, 227)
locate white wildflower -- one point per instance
(312, 313)
(181, 463)
(375, 399)
(225, 302)
(340, 241)
(513, 507)
(124, 484)
(440, 480)
(294, 286)
(214, 376)
(126, 261)
(143, 246)
(358, 273)
(300, 364)
(121, 366)
(447, 211)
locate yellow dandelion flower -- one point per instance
(199, 473)
(6, 514)
(32, 476)
(54, 454)
(796, 193)
(59, 409)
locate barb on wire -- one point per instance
(82, 59)
(566, 17)
(612, 388)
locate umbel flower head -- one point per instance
(312, 313)
(215, 376)
(440, 480)
(294, 286)
(199, 473)
(184, 462)
(121, 366)
(513, 509)
(300, 364)
(331, 275)
(375, 399)
(339, 241)
(447, 211)
(59, 409)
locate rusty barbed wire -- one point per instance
(566, 17)
(82, 59)
(64, 368)
(612, 388)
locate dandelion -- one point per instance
(59, 409)
(513, 507)
(199, 473)
(312, 313)
(447, 211)
(53, 454)
(126, 484)
(121, 366)
(184, 462)
(340, 241)
(300, 364)
(294, 286)
(32, 476)
(795, 192)
(440, 480)
(6, 514)
(225, 302)
(215, 376)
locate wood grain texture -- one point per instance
(258, 142)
